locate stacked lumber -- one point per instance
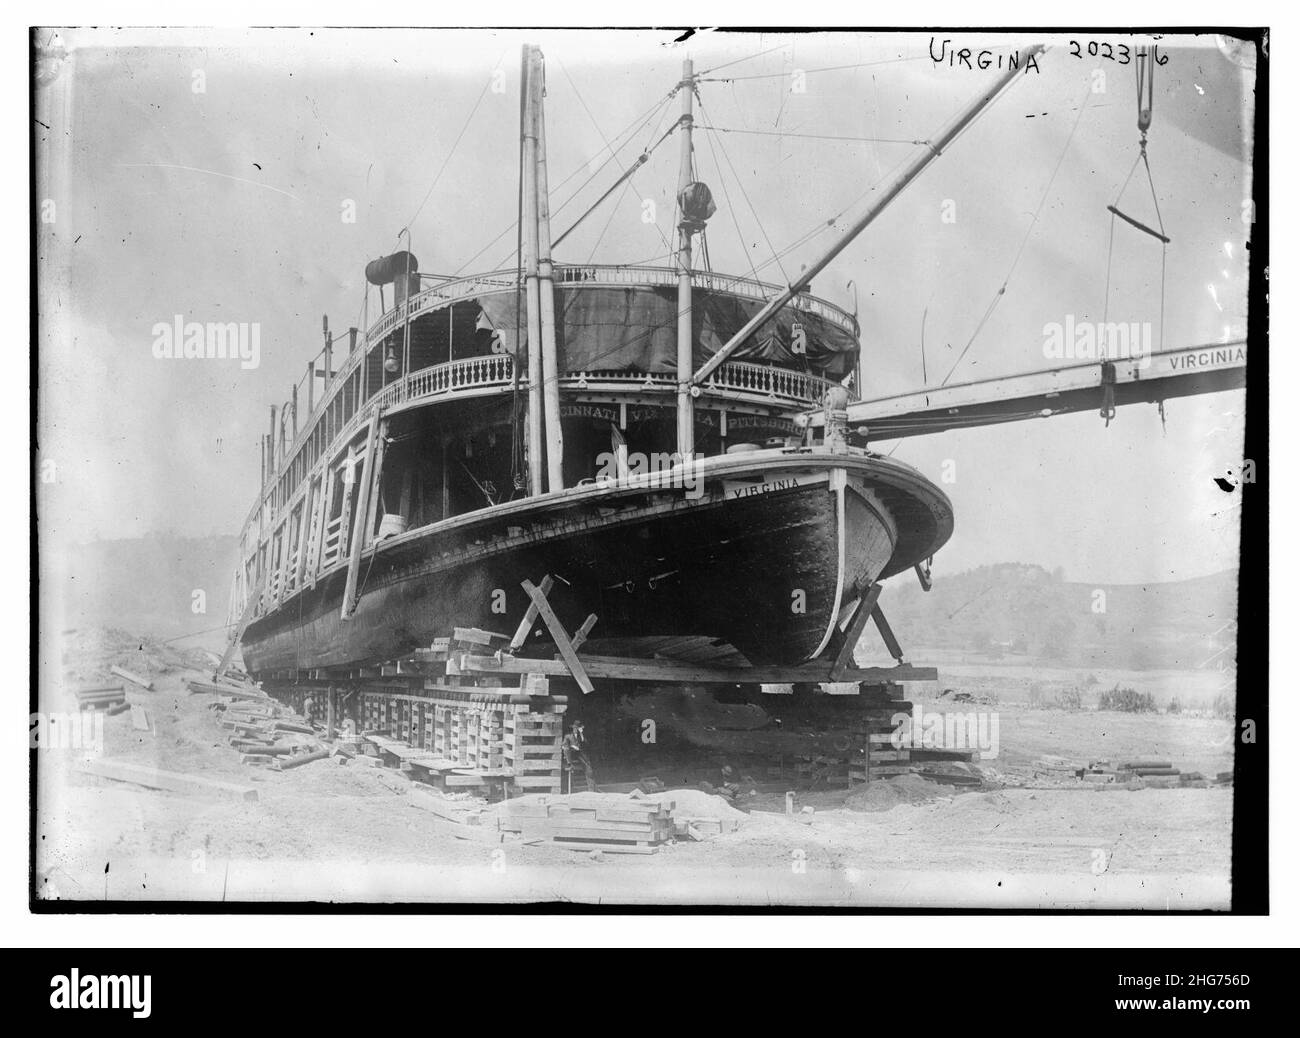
(1138, 773)
(224, 688)
(590, 822)
(267, 735)
(100, 697)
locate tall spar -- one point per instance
(685, 351)
(546, 295)
(536, 473)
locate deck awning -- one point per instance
(610, 328)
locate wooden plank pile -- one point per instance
(590, 822)
(1137, 773)
(100, 697)
(268, 735)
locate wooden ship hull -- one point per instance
(769, 555)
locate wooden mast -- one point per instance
(933, 149)
(546, 295)
(685, 350)
(536, 473)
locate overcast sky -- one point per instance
(225, 205)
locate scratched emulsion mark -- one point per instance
(210, 172)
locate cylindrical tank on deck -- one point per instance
(388, 269)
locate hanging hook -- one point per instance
(1144, 69)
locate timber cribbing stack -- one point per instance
(453, 731)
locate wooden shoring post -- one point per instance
(249, 606)
(371, 500)
(363, 507)
(844, 660)
(304, 534)
(580, 635)
(887, 634)
(320, 518)
(329, 712)
(561, 637)
(530, 617)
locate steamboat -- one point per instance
(640, 435)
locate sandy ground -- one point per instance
(331, 832)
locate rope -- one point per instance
(745, 194)
(1145, 76)
(815, 136)
(628, 131)
(456, 143)
(585, 108)
(748, 57)
(807, 71)
(726, 194)
(641, 160)
(997, 297)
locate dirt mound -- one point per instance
(89, 652)
(695, 803)
(884, 794)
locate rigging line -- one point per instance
(747, 57)
(806, 71)
(628, 131)
(1131, 171)
(437, 176)
(613, 153)
(735, 220)
(195, 634)
(745, 194)
(641, 160)
(1024, 241)
(1154, 199)
(825, 225)
(815, 136)
(667, 244)
(1110, 252)
(613, 211)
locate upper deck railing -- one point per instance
(477, 375)
(573, 276)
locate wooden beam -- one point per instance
(156, 778)
(122, 672)
(238, 632)
(530, 617)
(373, 438)
(580, 635)
(844, 659)
(561, 637)
(373, 485)
(887, 633)
(631, 669)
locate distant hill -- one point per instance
(1013, 608)
(147, 585)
